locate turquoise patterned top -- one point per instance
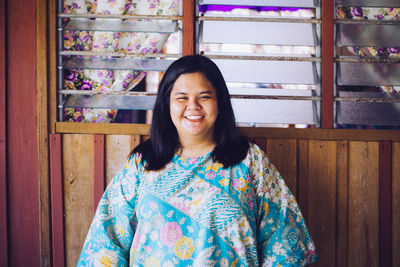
(196, 213)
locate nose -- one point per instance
(193, 104)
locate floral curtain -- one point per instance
(361, 13)
(99, 41)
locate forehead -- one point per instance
(192, 83)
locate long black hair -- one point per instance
(231, 147)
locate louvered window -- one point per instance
(112, 55)
(367, 63)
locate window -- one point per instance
(112, 56)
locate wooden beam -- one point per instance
(57, 203)
(42, 132)
(252, 132)
(98, 169)
(52, 64)
(385, 204)
(22, 160)
(327, 55)
(188, 27)
(3, 140)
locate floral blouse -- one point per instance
(194, 212)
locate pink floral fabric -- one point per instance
(362, 13)
(102, 41)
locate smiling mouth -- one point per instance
(194, 118)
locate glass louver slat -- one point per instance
(368, 74)
(368, 3)
(271, 33)
(118, 64)
(116, 25)
(369, 35)
(253, 71)
(111, 101)
(281, 3)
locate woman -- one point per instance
(197, 193)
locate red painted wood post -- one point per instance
(188, 27)
(57, 201)
(3, 140)
(385, 204)
(98, 169)
(24, 244)
(327, 54)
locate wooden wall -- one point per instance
(339, 185)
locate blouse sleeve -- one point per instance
(282, 236)
(113, 227)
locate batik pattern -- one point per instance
(194, 212)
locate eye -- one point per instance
(204, 97)
(182, 98)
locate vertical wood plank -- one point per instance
(261, 142)
(283, 154)
(3, 140)
(78, 192)
(342, 171)
(135, 141)
(57, 207)
(42, 132)
(363, 214)
(396, 202)
(385, 203)
(302, 176)
(52, 65)
(322, 199)
(98, 169)
(327, 56)
(188, 28)
(118, 148)
(22, 155)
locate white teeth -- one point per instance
(194, 117)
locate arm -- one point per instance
(113, 227)
(282, 236)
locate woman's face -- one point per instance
(193, 107)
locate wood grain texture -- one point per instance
(57, 201)
(22, 159)
(327, 65)
(135, 141)
(261, 142)
(342, 171)
(251, 132)
(302, 176)
(385, 203)
(42, 132)
(99, 175)
(396, 203)
(322, 199)
(78, 192)
(188, 27)
(363, 231)
(283, 154)
(118, 148)
(3, 140)
(52, 65)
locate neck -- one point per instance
(196, 148)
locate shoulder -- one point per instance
(256, 157)
(133, 165)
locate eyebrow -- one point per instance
(201, 93)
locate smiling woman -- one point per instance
(194, 110)
(197, 193)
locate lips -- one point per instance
(194, 117)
